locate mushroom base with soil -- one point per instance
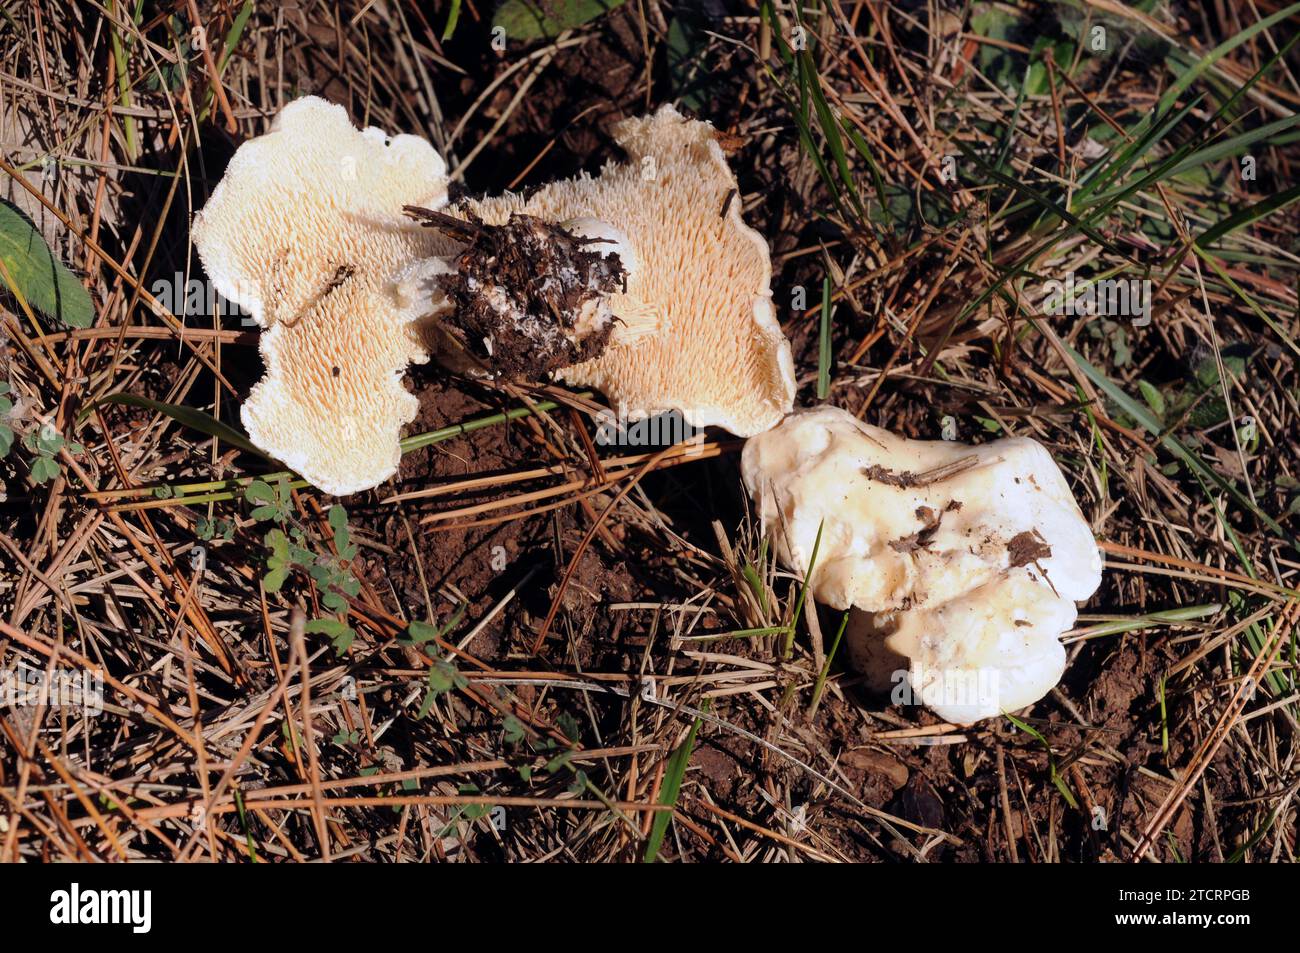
(526, 297)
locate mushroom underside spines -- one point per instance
(677, 316)
(306, 231)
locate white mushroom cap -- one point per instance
(995, 649)
(697, 332)
(306, 232)
(965, 554)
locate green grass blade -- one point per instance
(1139, 412)
(453, 17)
(1248, 215)
(188, 416)
(673, 776)
(824, 343)
(803, 592)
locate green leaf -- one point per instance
(274, 579)
(442, 677)
(48, 440)
(695, 83)
(427, 705)
(568, 724)
(420, 632)
(44, 469)
(343, 641)
(547, 19)
(278, 543)
(259, 492)
(560, 761)
(340, 633)
(994, 60)
(190, 417)
(6, 440)
(514, 730)
(37, 276)
(580, 782)
(338, 517)
(1155, 400)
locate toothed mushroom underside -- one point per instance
(962, 563)
(695, 330)
(306, 231)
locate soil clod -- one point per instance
(528, 296)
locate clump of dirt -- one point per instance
(528, 296)
(1027, 547)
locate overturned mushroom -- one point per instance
(643, 282)
(306, 232)
(965, 561)
(693, 328)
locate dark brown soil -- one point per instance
(517, 292)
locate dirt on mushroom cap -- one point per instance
(960, 559)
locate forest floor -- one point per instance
(921, 171)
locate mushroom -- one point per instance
(310, 231)
(965, 561)
(694, 329)
(306, 232)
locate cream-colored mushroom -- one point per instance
(696, 330)
(306, 232)
(996, 648)
(966, 561)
